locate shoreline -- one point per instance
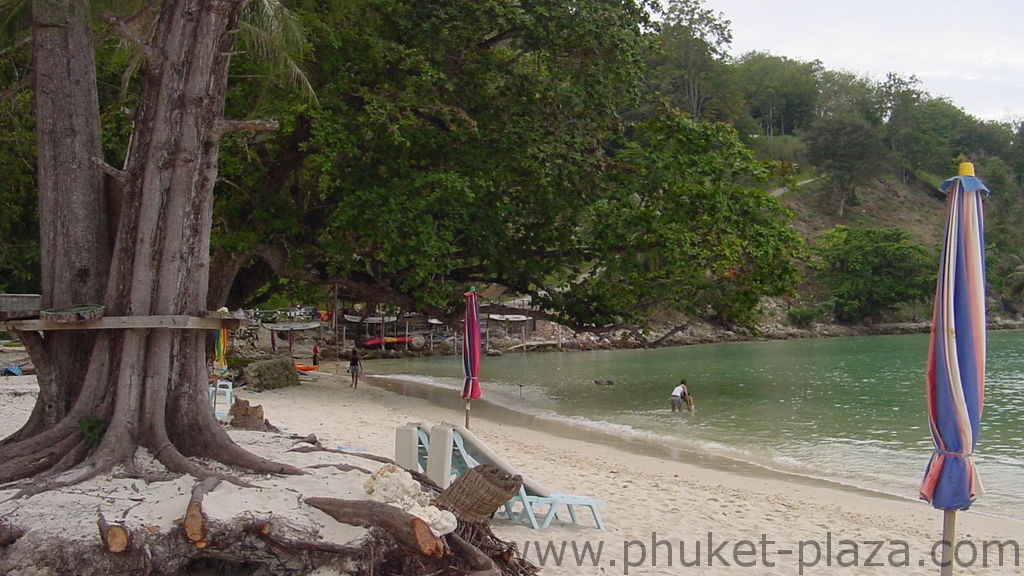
(647, 498)
(567, 429)
(662, 515)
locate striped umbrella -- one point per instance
(955, 375)
(471, 350)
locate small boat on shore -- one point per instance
(389, 342)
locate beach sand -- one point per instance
(656, 507)
(664, 515)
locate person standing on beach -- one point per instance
(355, 367)
(680, 396)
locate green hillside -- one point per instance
(882, 202)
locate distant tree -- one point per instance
(687, 63)
(780, 93)
(1004, 236)
(848, 150)
(1016, 154)
(849, 95)
(985, 138)
(868, 271)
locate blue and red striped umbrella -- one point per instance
(471, 350)
(955, 375)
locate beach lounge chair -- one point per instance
(414, 451)
(533, 503)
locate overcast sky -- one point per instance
(971, 52)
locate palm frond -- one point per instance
(15, 22)
(275, 34)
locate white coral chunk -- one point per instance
(441, 521)
(394, 485)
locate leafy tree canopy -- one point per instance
(685, 225)
(450, 146)
(847, 149)
(871, 270)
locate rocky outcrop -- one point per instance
(271, 374)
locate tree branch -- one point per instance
(22, 84)
(133, 39)
(120, 175)
(225, 126)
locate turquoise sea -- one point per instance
(845, 410)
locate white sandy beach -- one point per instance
(662, 516)
(675, 504)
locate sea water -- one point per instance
(844, 410)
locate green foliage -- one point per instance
(804, 316)
(1004, 236)
(453, 144)
(780, 148)
(845, 94)
(684, 225)
(687, 64)
(463, 142)
(92, 428)
(846, 148)
(19, 218)
(925, 134)
(781, 94)
(869, 270)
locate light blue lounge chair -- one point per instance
(533, 503)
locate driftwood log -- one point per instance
(411, 532)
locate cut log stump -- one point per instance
(116, 537)
(194, 522)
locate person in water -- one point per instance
(355, 367)
(681, 396)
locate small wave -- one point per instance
(843, 462)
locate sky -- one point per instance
(971, 52)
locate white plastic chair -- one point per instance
(225, 388)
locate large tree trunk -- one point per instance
(149, 386)
(75, 257)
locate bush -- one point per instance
(869, 271)
(803, 317)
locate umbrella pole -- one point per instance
(948, 534)
(467, 414)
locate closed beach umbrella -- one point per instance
(220, 351)
(955, 375)
(471, 351)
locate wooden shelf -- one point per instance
(178, 322)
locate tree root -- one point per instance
(9, 534)
(396, 543)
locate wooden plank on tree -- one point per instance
(176, 322)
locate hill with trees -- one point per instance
(608, 162)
